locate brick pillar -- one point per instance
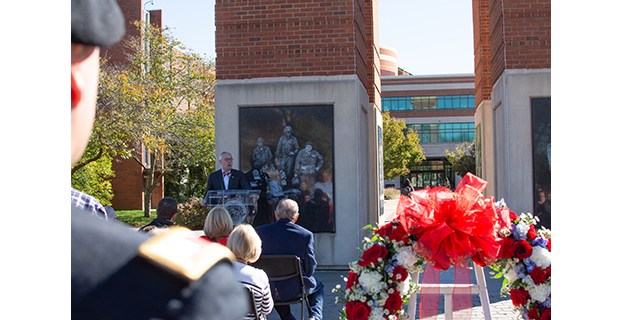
(481, 46)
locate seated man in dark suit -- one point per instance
(226, 178)
(286, 237)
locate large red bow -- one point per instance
(452, 227)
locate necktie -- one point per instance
(226, 174)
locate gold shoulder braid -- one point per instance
(179, 251)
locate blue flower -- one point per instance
(520, 270)
(540, 242)
(547, 303)
(529, 265)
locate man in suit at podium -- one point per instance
(226, 178)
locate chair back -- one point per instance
(253, 314)
(285, 276)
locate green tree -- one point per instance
(402, 150)
(94, 179)
(463, 159)
(162, 103)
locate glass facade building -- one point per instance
(450, 131)
(444, 132)
(466, 101)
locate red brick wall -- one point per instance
(520, 35)
(269, 38)
(127, 185)
(132, 10)
(373, 52)
(155, 17)
(481, 46)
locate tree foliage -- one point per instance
(463, 159)
(158, 108)
(402, 150)
(94, 179)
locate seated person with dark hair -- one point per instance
(165, 214)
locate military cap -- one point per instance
(96, 22)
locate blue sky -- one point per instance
(431, 37)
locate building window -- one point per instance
(466, 101)
(444, 132)
(432, 173)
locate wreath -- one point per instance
(434, 227)
(525, 263)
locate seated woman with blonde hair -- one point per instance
(218, 225)
(245, 244)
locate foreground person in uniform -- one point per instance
(117, 273)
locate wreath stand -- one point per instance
(447, 289)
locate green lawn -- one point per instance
(135, 218)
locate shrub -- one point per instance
(191, 214)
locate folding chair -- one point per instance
(280, 268)
(253, 310)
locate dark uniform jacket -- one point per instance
(113, 278)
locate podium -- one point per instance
(241, 204)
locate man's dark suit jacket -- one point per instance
(286, 237)
(237, 180)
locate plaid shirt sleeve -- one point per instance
(82, 200)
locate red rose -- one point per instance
(353, 278)
(548, 244)
(399, 270)
(532, 314)
(519, 297)
(539, 276)
(507, 248)
(372, 255)
(531, 234)
(513, 216)
(546, 314)
(356, 310)
(547, 271)
(393, 231)
(394, 302)
(522, 249)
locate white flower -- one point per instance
(404, 286)
(540, 292)
(376, 314)
(511, 275)
(522, 229)
(371, 281)
(541, 257)
(406, 257)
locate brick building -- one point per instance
(512, 43)
(127, 184)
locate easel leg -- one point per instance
(483, 291)
(412, 301)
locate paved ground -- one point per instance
(501, 307)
